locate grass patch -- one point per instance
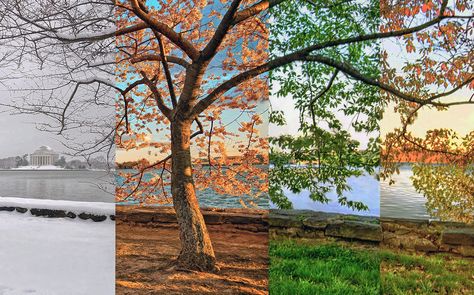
(421, 274)
(323, 269)
(297, 268)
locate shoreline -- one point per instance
(409, 235)
(61, 170)
(95, 211)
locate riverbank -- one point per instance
(148, 243)
(324, 253)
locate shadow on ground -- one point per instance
(144, 255)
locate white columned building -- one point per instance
(44, 156)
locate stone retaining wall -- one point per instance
(428, 236)
(243, 219)
(314, 225)
(404, 234)
(55, 213)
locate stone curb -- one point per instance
(55, 213)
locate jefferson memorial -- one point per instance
(44, 156)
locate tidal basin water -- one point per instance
(364, 188)
(70, 185)
(208, 197)
(400, 199)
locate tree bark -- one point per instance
(197, 252)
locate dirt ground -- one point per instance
(144, 256)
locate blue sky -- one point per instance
(230, 118)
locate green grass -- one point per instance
(297, 268)
(421, 274)
(324, 269)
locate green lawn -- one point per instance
(426, 275)
(298, 268)
(326, 269)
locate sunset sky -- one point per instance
(152, 155)
(457, 118)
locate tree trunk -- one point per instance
(196, 248)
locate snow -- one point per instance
(87, 36)
(96, 208)
(56, 256)
(46, 167)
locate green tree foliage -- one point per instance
(325, 150)
(344, 72)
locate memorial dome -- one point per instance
(44, 156)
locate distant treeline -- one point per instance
(234, 160)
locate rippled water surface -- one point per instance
(397, 200)
(400, 199)
(209, 198)
(85, 186)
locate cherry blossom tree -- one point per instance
(179, 66)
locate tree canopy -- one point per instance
(352, 72)
(195, 73)
(325, 95)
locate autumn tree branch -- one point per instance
(157, 95)
(168, 32)
(304, 55)
(155, 57)
(254, 10)
(354, 73)
(164, 62)
(211, 48)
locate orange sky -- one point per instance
(458, 118)
(152, 155)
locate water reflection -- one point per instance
(400, 199)
(86, 186)
(364, 188)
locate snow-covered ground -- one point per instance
(97, 208)
(49, 256)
